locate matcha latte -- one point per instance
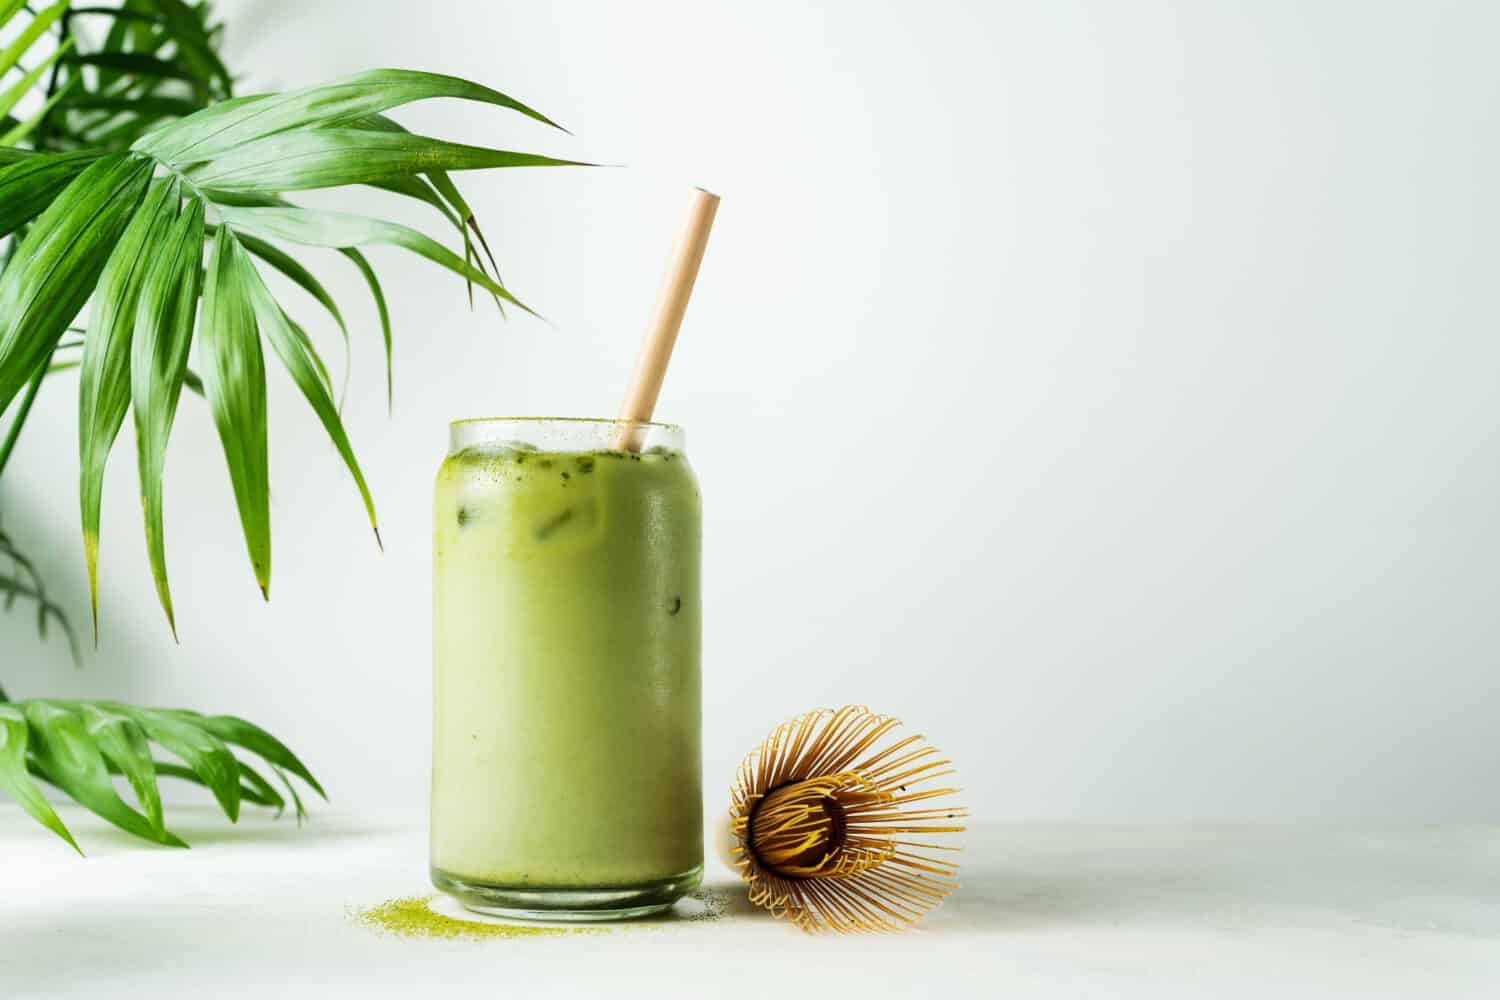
(566, 635)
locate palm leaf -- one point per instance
(84, 228)
(207, 755)
(341, 229)
(66, 755)
(229, 125)
(331, 157)
(158, 368)
(123, 742)
(301, 361)
(128, 156)
(301, 810)
(11, 55)
(104, 385)
(235, 382)
(15, 733)
(436, 189)
(11, 97)
(419, 188)
(157, 107)
(426, 191)
(23, 129)
(237, 731)
(293, 347)
(253, 788)
(56, 266)
(193, 43)
(79, 745)
(116, 41)
(293, 269)
(257, 790)
(134, 64)
(378, 295)
(28, 186)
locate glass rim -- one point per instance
(612, 421)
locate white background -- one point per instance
(1109, 390)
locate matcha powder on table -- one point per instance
(412, 917)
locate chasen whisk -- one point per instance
(823, 816)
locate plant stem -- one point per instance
(21, 414)
(64, 31)
(62, 36)
(118, 12)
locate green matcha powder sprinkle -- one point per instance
(414, 917)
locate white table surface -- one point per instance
(262, 909)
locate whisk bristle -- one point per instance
(820, 814)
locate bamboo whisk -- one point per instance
(820, 817)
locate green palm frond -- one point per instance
(80, 746)
(140, 200)
(127, 227)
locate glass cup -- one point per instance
(566, 771)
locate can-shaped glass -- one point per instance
(567, 705)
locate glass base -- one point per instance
(540, 903)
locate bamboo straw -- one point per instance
(661, 334)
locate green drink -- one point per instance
(566, 635)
